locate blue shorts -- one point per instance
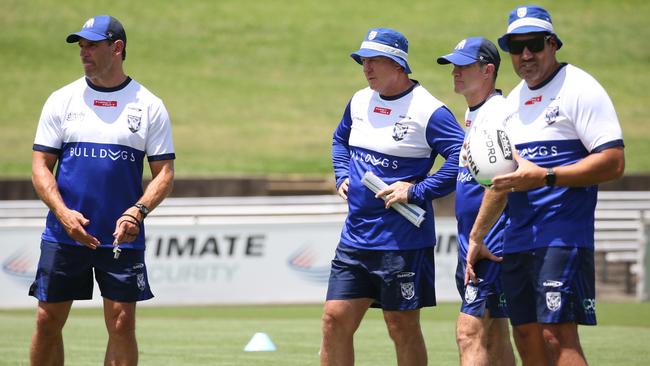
(550, 285)
(397, 280)
(487, 294)
(65, 272)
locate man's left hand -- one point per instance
(127, 226)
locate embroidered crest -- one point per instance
(550, 114)
(470, 293)
(521, 12)
(553, 301)
(140, 278)
(399, 131)
(134, 123)
(408, 290)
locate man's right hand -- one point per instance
(74, 222)
(343, 189)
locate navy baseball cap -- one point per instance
(528, 19)
(99, 28)
(471, 50)
(387, 43)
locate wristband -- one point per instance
(550, 178)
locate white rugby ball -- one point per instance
(489, 153)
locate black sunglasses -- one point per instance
(534, 44)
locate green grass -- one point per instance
(217, 335)
(257, 87)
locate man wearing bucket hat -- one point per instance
(482, 331)
(97, 131)
(394, 128)
(565, 128)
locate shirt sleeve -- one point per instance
(595, 118)
(49, 134)
(341, 147)
(159, 145)
(445, 137)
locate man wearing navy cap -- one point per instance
(565, 128)
(97, 131)
(394, 128)
(482, 331)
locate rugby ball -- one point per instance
(489, 153)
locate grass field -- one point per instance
(257, 87)
(217, 336)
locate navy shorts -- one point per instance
(550, 285)
(486, 294)
(396, 280)
(65, 272)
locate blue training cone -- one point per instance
(260, 342)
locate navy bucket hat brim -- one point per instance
(528, 19)
(386, 43)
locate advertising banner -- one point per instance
(248, 261)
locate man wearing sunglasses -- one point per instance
(568, 138)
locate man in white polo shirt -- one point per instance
(97, 132)
(565, 128)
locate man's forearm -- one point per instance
(160, 187)
(492, 206)
(45, 184)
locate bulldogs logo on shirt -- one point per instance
(551, 113)
(133, 117)
(399, 131)
(134, 123)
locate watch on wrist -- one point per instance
(549, 180)
(144, 211)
